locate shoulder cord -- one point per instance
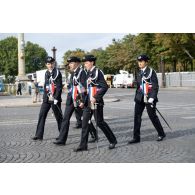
(94, 78)
(149, 76)
(78, 76)
(53, 79)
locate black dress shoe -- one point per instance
(78, 126)
(59, 143)
(80, 149)
(37, 138)
(160, 138)
(112, 145)
(134, 141)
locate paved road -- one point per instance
(17, 125)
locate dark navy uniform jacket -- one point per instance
(77, 77)
(151, 77)
(57, 82)
(97, 78)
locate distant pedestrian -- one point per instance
(30, 88)
(19, 90)
(35, 91)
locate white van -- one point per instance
(124, 79)
(40, 76)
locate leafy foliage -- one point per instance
(176, 49)
(34, 57)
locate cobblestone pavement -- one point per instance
(17, 126)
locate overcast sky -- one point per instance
(68, 41)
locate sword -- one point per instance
(96, 126)
(52, 113)
(59, 109)
(161, 116)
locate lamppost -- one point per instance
(54, 54)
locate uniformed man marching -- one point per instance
(51, 97)
(78, 111)
(146, 96)
(96, 88)
(75, 97)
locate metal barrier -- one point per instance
(178, 79)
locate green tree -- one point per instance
(115, 53)
(34, 57)
(178, 48)
(9, 56)
(78, 52)
(130, 50)
(145, 43)
(102, 59)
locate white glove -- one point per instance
(150, 100)
(55, 102)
